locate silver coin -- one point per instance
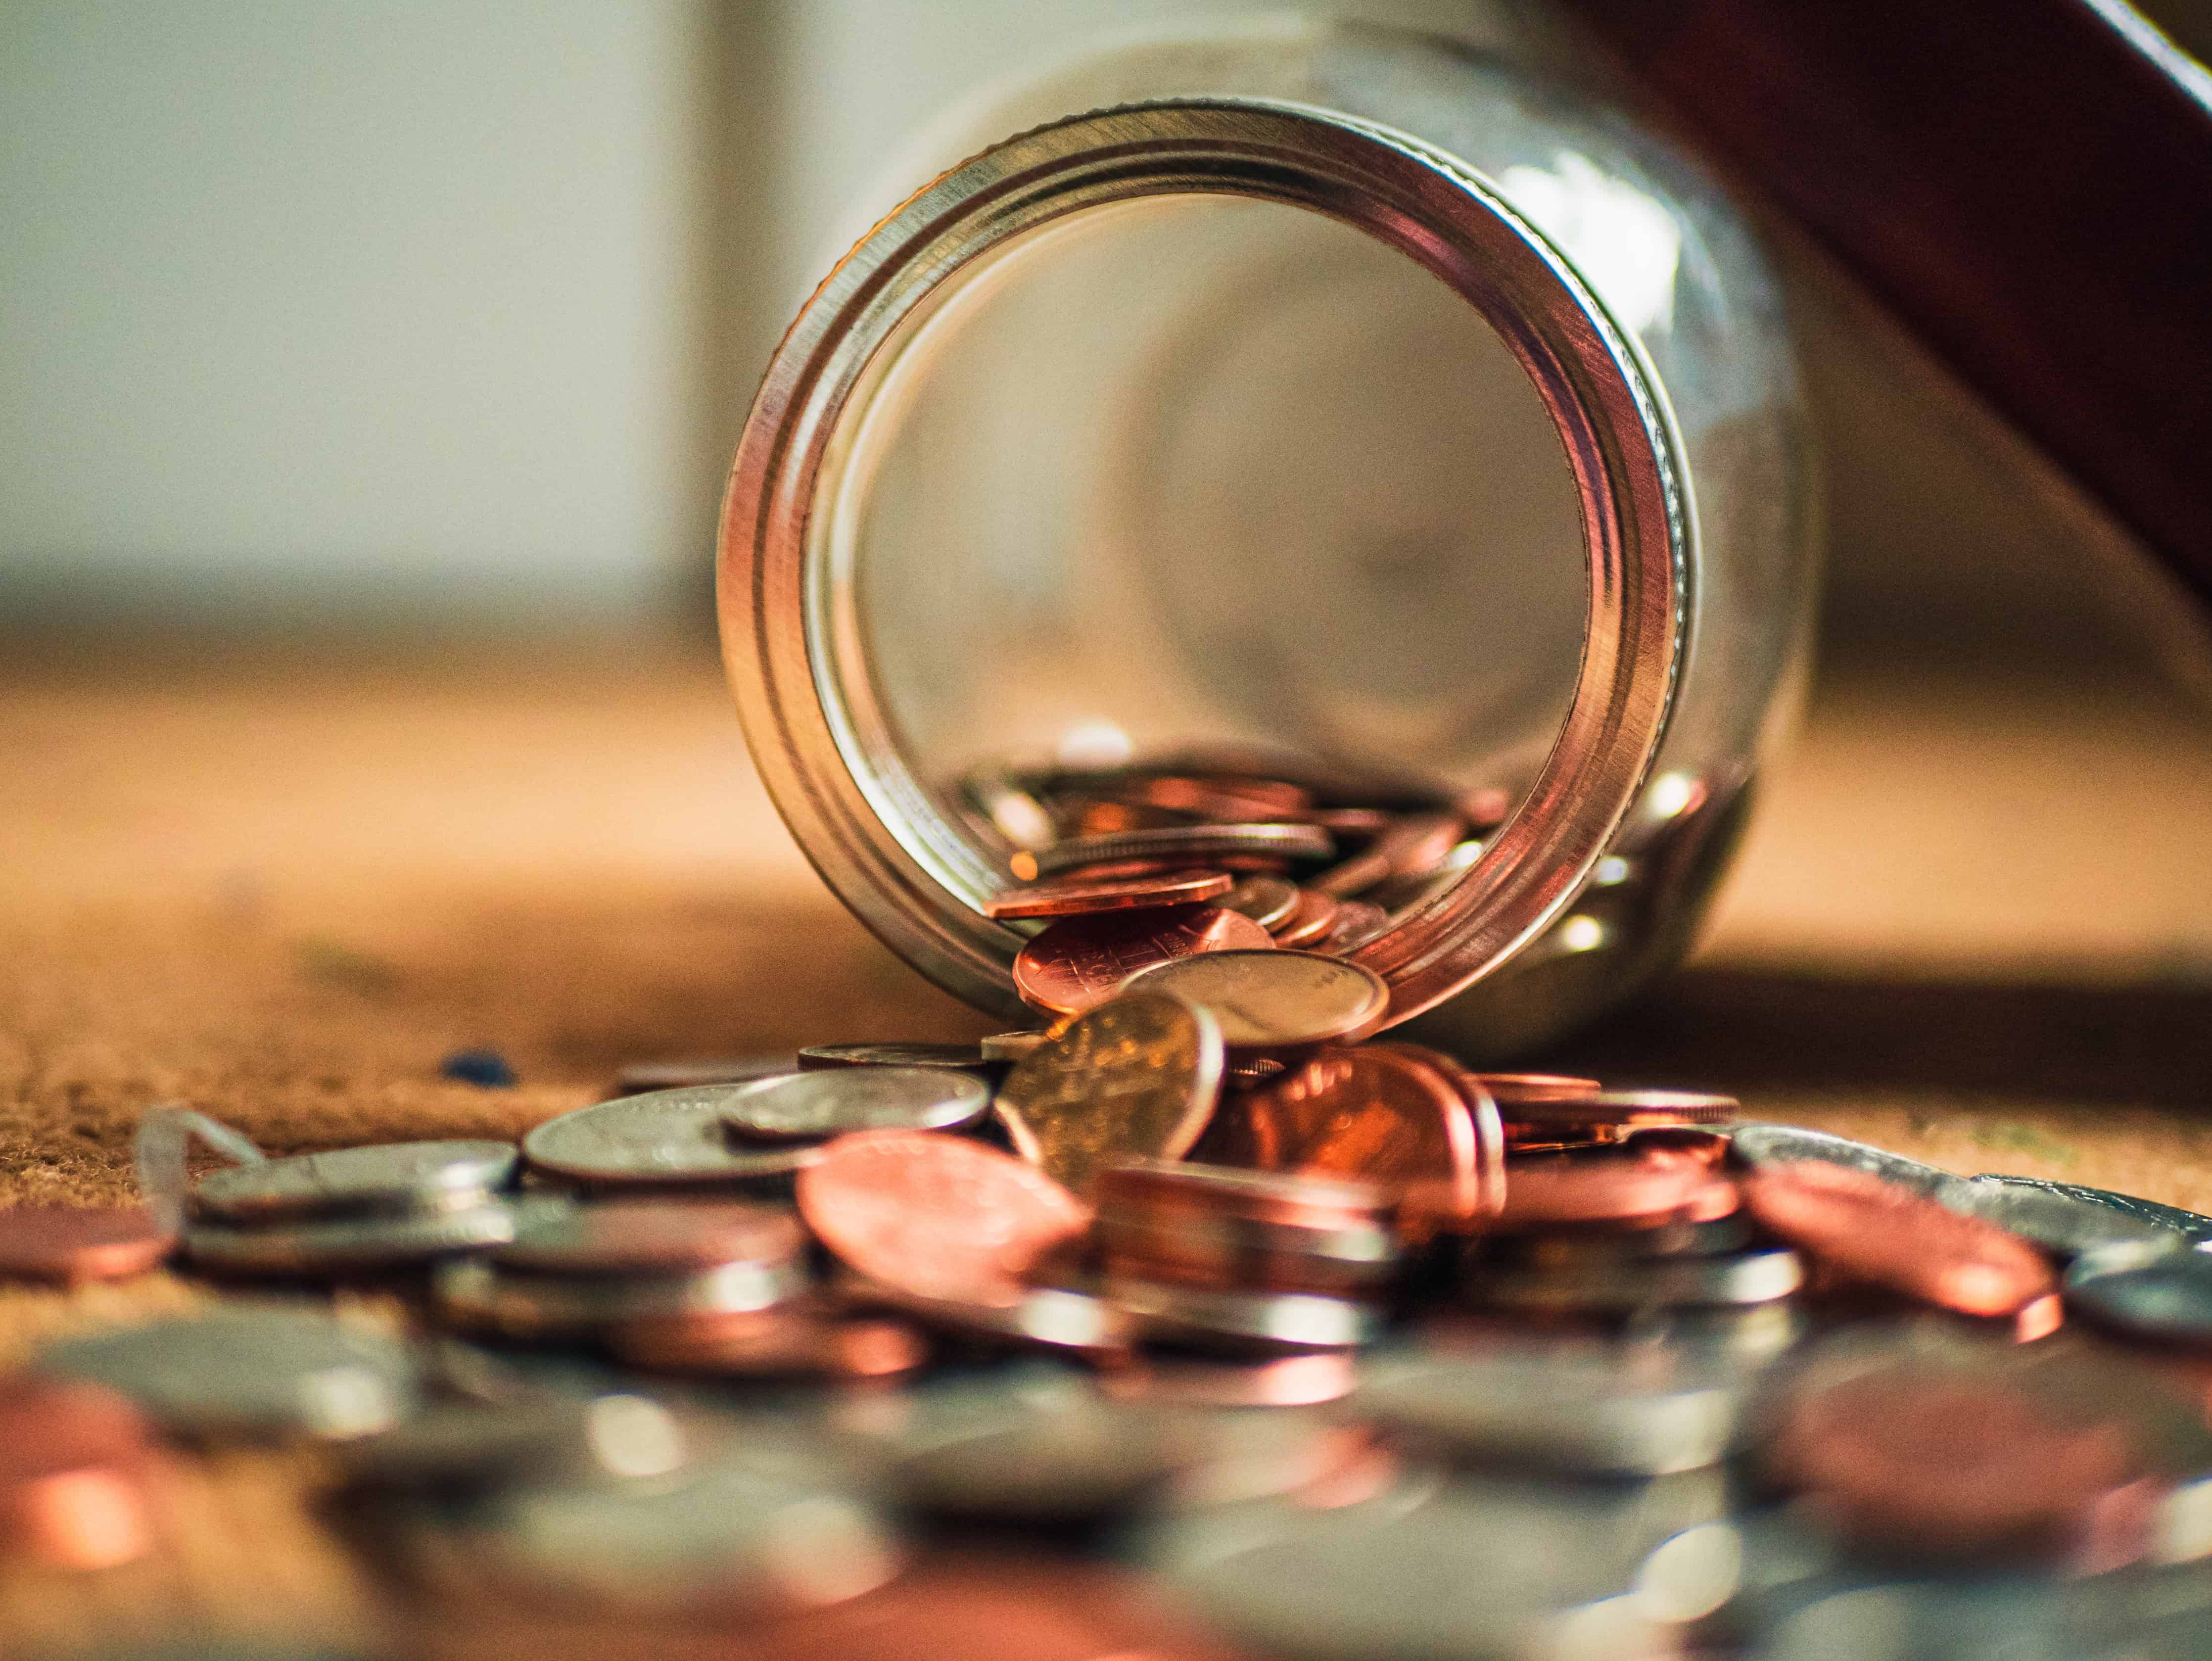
(957, 1057)
(2160, 1289)
(2193, 1224)
(640, 1077)
(348, 1244)
(650, 1236)
(390, 1177)
(252, 1372)
(1187, 843)
(1061, 1318)
(1246, 1323)
(518, 1304)
(1268, 901)
(833, 1100)
(1760, 1144)
(1071, 1465)
(2044, 1213)
(1011, 1046)
(663, 1137)
(1758, 1276)
(1274, 999)
(1569, 1405)
(1598, 1249)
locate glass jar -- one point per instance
(1297, 388)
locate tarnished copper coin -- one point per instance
(643, 1236)
(1374, 1114)
(1010, 1047)
(1268, 901)
(1081, 961)
(1275, 999)
(1310, 922)
(1610, 1189)
(1136, 1077)
(1882, 1234)
(1069, 897)
(76, 1243)
(936, 1215)
(1190, 844)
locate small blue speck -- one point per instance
(485, 1068)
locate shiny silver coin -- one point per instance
(1760, 1144)
(392, 1177)
(1274, 999)
(2060, 1223)
(250, 1373)
(651, 1237)
(1061, 1318)
(1242, 1322)
(836, 1100)
(1758, 1276)
(957, 1057)
(1011, 1046)
(1187, 844)
(346, 1245)
(2160, 1290)
(663, 1138)
(640, 1077)
(1569, 1406)
(1268, 901)
(516, 1304)
(2193, 1224)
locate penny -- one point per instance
(1604, 1189)
(1244, 1322)
(2158, 1290)
(450, 1446)
(73, 1244)
(657, 1236)
(954, 1057)
(1184, 1191)
(1414, 843)
(1881, 1233)
(661, 1137)
(831, 1101)
(389, 1177)
(1190, 843)
(1491, 1143)
(1310, 922)
(1763, 1145)
(75, 1464)
(1356, 923)
(2060, 1222)
(1268, 901)
(1137, 1076)
(526, 1305)
(257, 1373)
(1078, 962)
(1069, 898)
(640, 1077)
(770, 1344)
(1275, 999)
(1374, 1114)
(1011, 1046)
(346, 1245)
(936, 1215)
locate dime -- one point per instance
(2059, 1221)
(1310, 922)
(1628, 1189)
(832, 1100)
(1243, 1323)
(1190, 843)
(934, 1215)
(640, 1077)
(2161, 1290)
(1070, 898)
(1047, 1317)
(1374, 1114)
(1413, 844)
(392, 1177)
(1763, 1145)
(662, 1137)
(1760, 1275)
(77, 1244)
(956, 1057)
(241, 1372)
(771, 1343)
(522, 1303)
(1082, 961)
(1135, 1077)
(346, 1245)
(1268, 901)
(1881, 1233)
(1274, 999)
(648, 1236)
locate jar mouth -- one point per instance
(881, 837)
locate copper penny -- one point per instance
(1078, 962)
(1882, 1234)
(1490, 1144)
(644, 1237)
(1268, 901)
(640, 1077)
(1070, 898)
(1309, 920)
(770, 1343)
(936, 1215)
(1414, 842)
(76, 1243)
(1375, 1113)
(1621, 1188)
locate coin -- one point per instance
(655, 1236)
(1610, 1114)
(1374, 1114)
(1190, 843)
(77, 1244)
(1227, 799)
(241, 1372)
(1071, 897)
(1763, 1145)
(526, 1304)
(640, 1077)
(1209, 1225)
(1047, 1317)
(2158, 1290)
(662, 1137)
(1414, 843)
(1510, 1088)
(1282, 1381)
(1608, 1189)
(1432, 1205)
(1275, 999)
(1268, 901)
(1356, 923)
(1243, 1323)
(388, 1176)
(772, 1344)
(1729, 1279)
(2195, 1225)
(2058, 1221)
(957, 1057)
(1137, 1076)
(831, 1101)
(1881, 1233)
(1310, 922)
(1011, 1046)
(75, 1461)
(344, 1245)
(935, 1215)
(1601, 1249)
(1082, 961)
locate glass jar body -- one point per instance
(1195, 454)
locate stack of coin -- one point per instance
(351, 1210)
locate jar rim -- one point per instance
(875, 833)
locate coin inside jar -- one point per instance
(1068, 896)
(831, 1101)
(386, 1177)
(1078, 962)
(1275, 999)
(1189, 844)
